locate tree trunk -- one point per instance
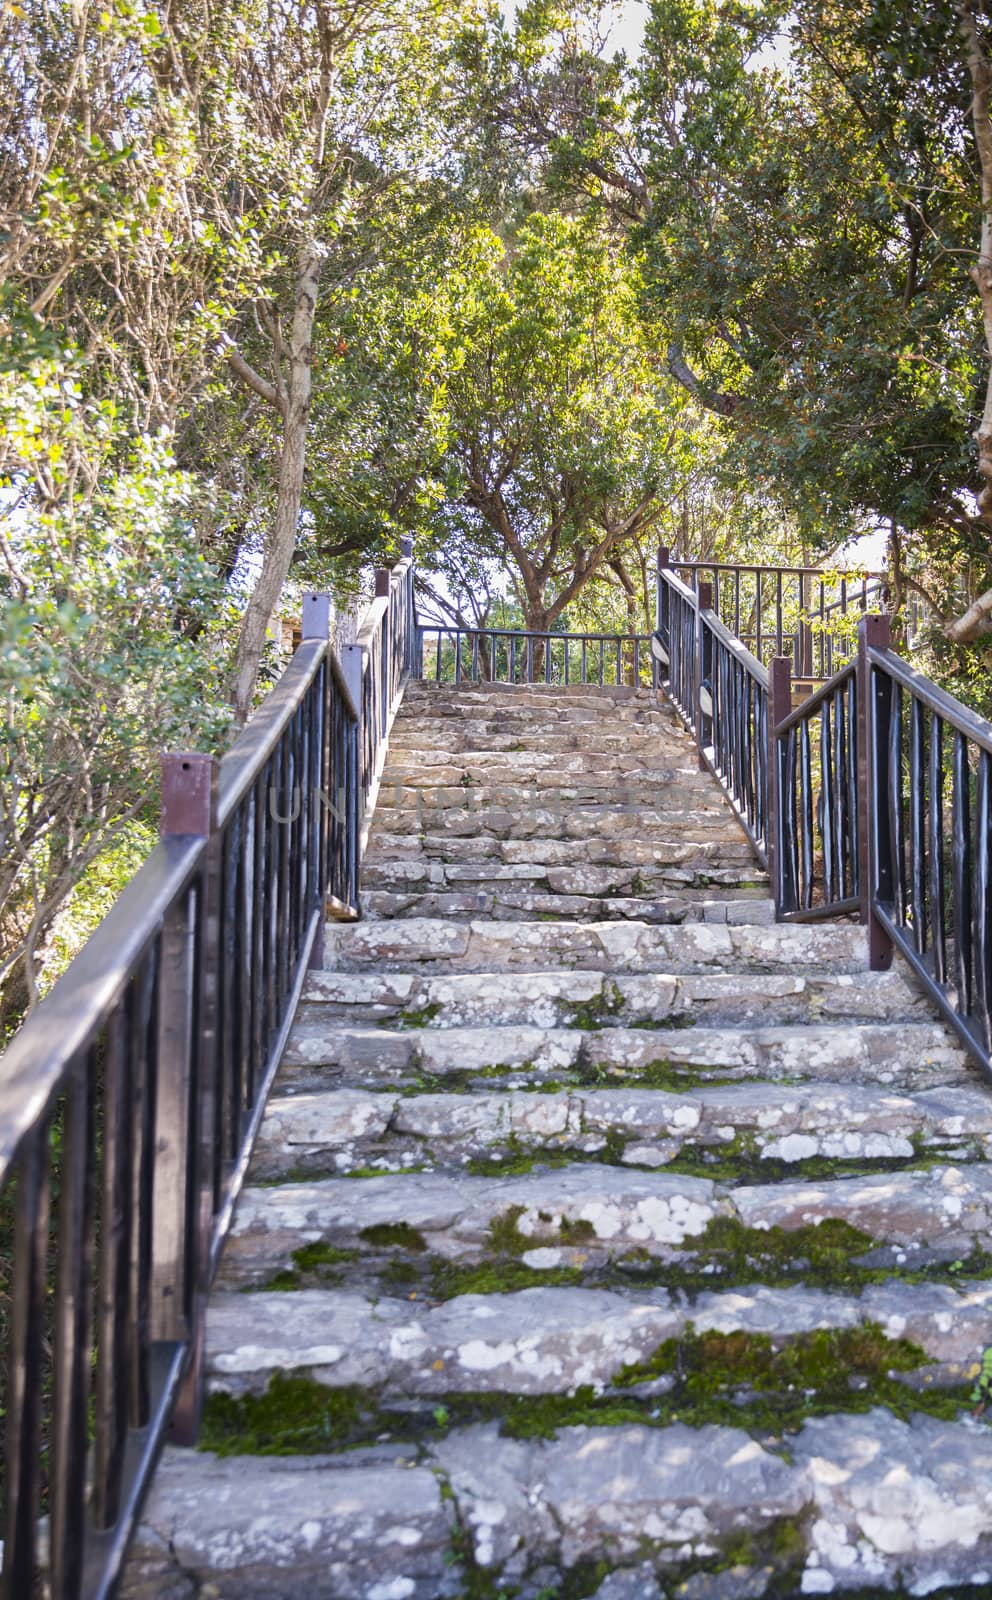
(279, 548)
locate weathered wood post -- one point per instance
(874, 782)
(186, 1109)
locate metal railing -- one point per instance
(377, 665)
(448, 654)
(130, 1100)
(721, 692)
(873, 797)
(791, 611)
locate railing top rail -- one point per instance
(730, 641)
(247, 756)
(34, 1064)
(857, 574)
(370, 622)
(528, 633)
(681, 589)
(938, 700)
(814, 701)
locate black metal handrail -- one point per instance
(450, 654)
(377, 665)
(130, 1100)
(817, 750)
(721, 692)
(755, 602)
(930, 840)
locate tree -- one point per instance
(565, 437)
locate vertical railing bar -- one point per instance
(935, 866)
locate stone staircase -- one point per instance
(603, 1238)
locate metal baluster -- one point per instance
(895, 796)
(585, 674)
(565, 649)
(983, 900)
(843, 843)
(779, 649)
(789, 866)
(475, 657)
(113, 1369)
(917, 827)
(806, 797)
(828, 827)
(72, 1330)
(937, 888)
(26, 1362)
(547, 658)
(961, 865)
(757, 613)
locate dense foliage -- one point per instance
(282, 282)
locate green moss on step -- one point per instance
(414, 1017)
(318, 1261)
(504, 1235)
(505, 1276)
(395, 1236)
(735, 1380)
(600, 1012)
(718, 1377)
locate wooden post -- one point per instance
(873, 777)
(704, 602)
(186, 1105)
(316, 624)
(779, 706)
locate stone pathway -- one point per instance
(604, 1238)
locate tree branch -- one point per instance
(254, 380)
(725, 405)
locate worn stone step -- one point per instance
(523, 905)
(696, 848)
(867, 1502)
(629, 947)
(540, 802)
(516, 736)
(420, 873)
(443, 768)
(747, 1123)
(589, 1212)
(555, 1340)
(433, 699)
(591, 999)
(907, 1055)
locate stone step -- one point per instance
(676, 861)
(648, 795)
(517, 736)
(902, 1056)
(629, 947)
(632, 1512)
(431, 699)
(513, 904)
(492, 766)
(554, 1340)
(563, 838)
(590, 999)
(742, 1126)
(590, 1214)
